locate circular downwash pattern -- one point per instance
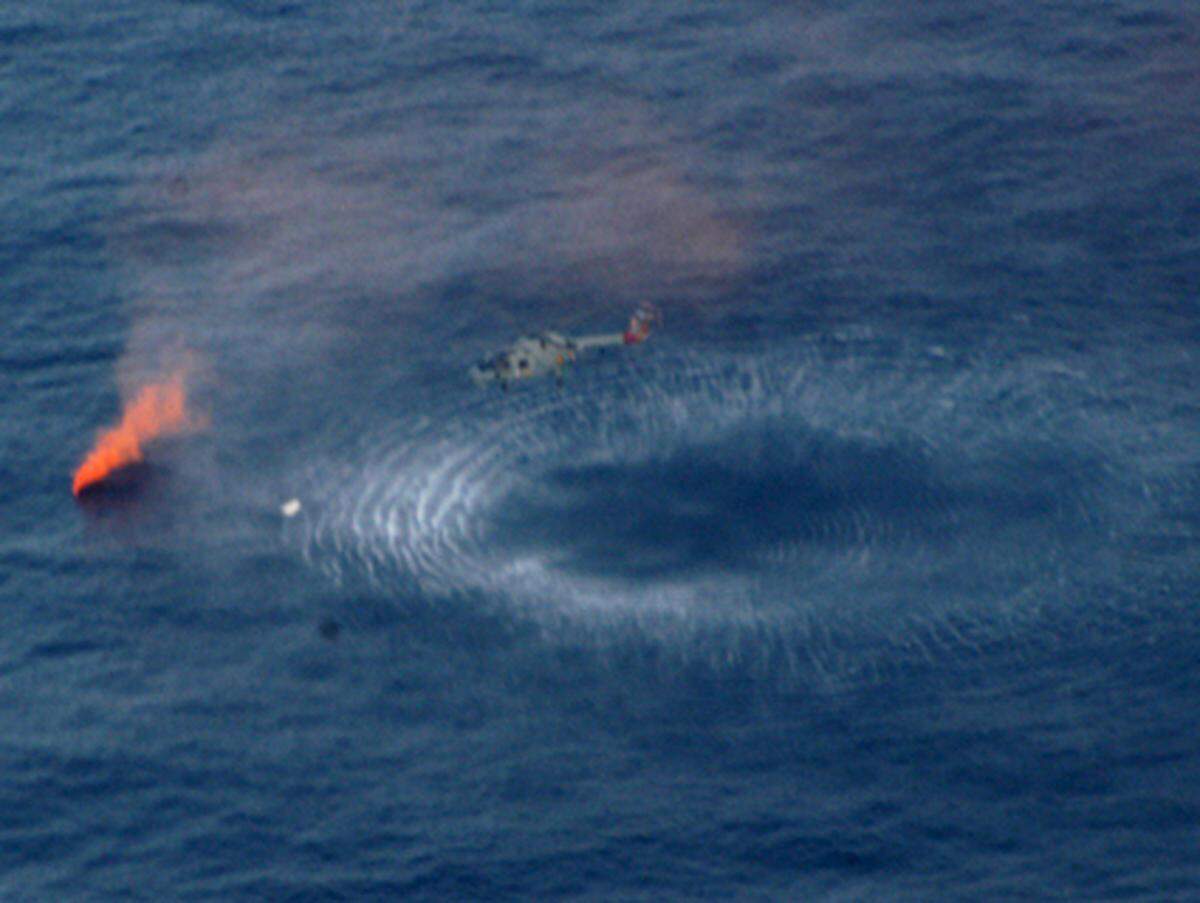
(850, 491)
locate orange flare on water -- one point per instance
(159, 409)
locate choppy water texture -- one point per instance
(872, 575)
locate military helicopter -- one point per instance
(551, 352)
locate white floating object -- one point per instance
(290, 508)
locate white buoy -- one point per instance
(290, 508)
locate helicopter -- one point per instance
(550, 352)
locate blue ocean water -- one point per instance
(871, 575)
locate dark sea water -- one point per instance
(872, 575)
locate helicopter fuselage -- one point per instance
(527, 357)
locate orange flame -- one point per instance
(159, 409)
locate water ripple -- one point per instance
(888, 495)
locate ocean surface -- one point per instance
(872, 575)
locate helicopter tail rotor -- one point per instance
(640, 324)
